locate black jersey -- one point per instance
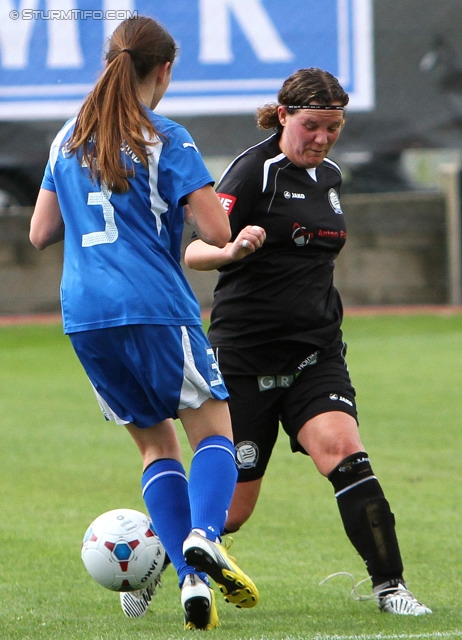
(284, 292)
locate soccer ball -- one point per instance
(121, 550)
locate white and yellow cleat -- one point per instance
(198, 602)
(213, 559)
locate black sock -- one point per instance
(367, 518)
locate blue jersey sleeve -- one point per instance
(181, 169)
(48, 182)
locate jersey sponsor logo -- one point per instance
(309, 361)
(332, 234)
(246, 455)
(265, 383)
(130, 153)
(335, 397)
(334, 201)
(298, 196)
(227, 201)
(300, 235)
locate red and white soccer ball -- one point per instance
(121, 550)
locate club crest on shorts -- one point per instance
(246, 455)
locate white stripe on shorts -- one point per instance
(108, 413)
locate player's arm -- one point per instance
(208, 217)
(203, 257)
(47, 225)
(239, 190)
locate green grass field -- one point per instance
(62, 465)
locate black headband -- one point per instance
(326, 107)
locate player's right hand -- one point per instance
(249, 239)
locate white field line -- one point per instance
(435, 635)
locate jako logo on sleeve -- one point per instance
(227, 201)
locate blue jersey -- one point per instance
(122, 250)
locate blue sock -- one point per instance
(211, 484)
(165, 493)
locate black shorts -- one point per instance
(259, 403)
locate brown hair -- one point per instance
(112, 115)
(301, 88)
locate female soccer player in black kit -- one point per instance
(276, 321)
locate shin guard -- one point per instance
(367, 518)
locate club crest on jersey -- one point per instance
(227, 201)
(300, 235)
(334, 201)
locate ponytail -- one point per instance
(112, 116)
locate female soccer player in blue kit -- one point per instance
(114, 189)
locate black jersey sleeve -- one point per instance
(239, 190)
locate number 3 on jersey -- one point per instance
(110, 233)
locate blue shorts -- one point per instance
(142, 374)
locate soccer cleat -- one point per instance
(136, 603)
(198, 602)
(213, 559)
(399, 600)
(392, 596)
